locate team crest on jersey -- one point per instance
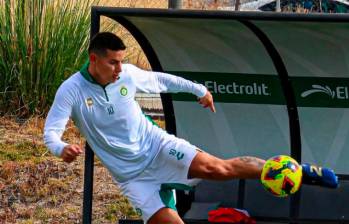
(123, 91)
(139, 211)
(89, 102)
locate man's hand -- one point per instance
(70, 152)
(207, 101)
(319, 176)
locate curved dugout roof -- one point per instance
(290, 54)
(281, 85)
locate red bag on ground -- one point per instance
(230, 215)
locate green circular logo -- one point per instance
(139, 211)
(123, 91)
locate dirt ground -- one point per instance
(36, 187)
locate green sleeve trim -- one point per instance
(151, 120)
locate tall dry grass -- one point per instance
(41, 43)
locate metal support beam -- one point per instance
(89, 154)
(174, 4)
(88, 186)
(278, 6)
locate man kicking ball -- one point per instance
(141, 157)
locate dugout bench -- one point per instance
(281, 86)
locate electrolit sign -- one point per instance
(322, 92)
(339, 92)
(266, 89)
(237, 88)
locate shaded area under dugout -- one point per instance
(281, 86)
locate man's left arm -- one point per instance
(158, 82)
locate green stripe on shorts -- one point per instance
(167, 196)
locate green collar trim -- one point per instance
(84, 72)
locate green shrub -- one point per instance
(41, 43)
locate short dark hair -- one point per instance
(103, 41)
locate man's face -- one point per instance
(106, 69)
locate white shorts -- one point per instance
(153, 188)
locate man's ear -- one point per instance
(92, 57)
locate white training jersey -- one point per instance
(110, 118)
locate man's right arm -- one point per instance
(70, 152)
(56, 121)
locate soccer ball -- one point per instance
(281, 176)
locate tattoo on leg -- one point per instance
(253, 161)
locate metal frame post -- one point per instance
(174, 4)
(89, 154)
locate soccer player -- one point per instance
(144, 160)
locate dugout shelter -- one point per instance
(281, 86)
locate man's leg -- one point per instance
(165, 216)
(206, 166)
